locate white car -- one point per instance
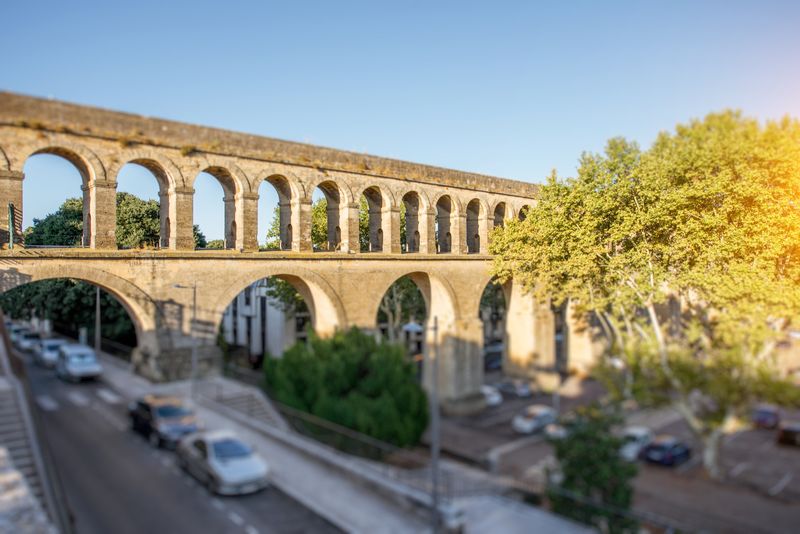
(518, 388)
(28, 340)
(492, 396)
(636, 438)
(46, 351)
(533, 419)
(77, 362)
(224, 464)
(16, 331)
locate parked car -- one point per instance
(46, 351)
(162, 419)
(492, 396)
(533, 419)
(16, 331)
(635, 439)
(223, 463)
(517, 388)
(789, 433)
(666, 450)
(555, 431)
(766, 416)
(77, 362)
(28, 340)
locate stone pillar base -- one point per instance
(176, 364)
(464, 406)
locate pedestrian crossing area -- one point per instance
(81, 399)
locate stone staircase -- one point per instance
(245, 399)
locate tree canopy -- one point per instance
(355, 381)
(686, 255)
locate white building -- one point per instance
(253, 322)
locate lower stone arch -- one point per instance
(139, 306)
(327, 311)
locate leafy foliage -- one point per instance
(352, 380)
(593, 472)
(687, 255)
(138, 223)
(62, 228)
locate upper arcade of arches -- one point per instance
(101, 142)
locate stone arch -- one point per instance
(327, 312)
(378, 201)
(88, 164)
(337, 199)
(140, 307)
(415, 213)
(5, 165)
(476, 217)
(440, 297)
(233, 182)
(522, 214)
(165, 171)
(287, 190)
(499, 214)
(447, 212)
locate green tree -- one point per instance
(687, 257)
(138, 222)
(216, 244)
(595, 486)
(352, 380)
(199, 237)
(62, 228)
(402, 302)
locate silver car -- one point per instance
(77, 362)
(223, 463)
(46, 352)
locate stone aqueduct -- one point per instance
(449, 218)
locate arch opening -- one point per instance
(499, 215)
(492, 313)
(275, 213)
(214, 228)
(370, 235)
(473, 226)
(142, 206)
(444, 216)
(410, 237)
(271, 314)
(523, 212)
(51, 213)
(326, 217)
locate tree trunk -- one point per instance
(712, 443)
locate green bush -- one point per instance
(352, 380)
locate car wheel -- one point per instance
(154, 439)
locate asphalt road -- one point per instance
(116, 482)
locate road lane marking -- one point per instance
(47, 403)
(782, 483)
(250, 529)
(236, 519)
(109, 396)
(216, 503)
(740, 467)
(78, 398)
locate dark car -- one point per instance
(666, 450)
(163, 420)
(766, 416)
(789, 433)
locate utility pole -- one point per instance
(97, 322)
(435, 431)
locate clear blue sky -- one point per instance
(511, 89)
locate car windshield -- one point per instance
(228, 448)
(31, 335)
(172, 410)
(51, 345)
(81, 357)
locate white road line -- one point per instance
(236, 519)
(777, 488)
(109, 396)
(738, 469)
(216, 503)
(78, 398)
(250, 529)
(47, 403)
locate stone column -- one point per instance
(349, 218)
(458, 231)
(390, 222)
(247, 221)
(460, 354)
(427, 231)
(530, 339)
(483, 233)
(231, 223)
(165, 227)
(181, 206)
(299, 234)
(11, 193)
(103, 214)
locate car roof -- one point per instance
(76, 347)
(217, 435)
(155, 399)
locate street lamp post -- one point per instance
(433, 395)
(193, 376)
